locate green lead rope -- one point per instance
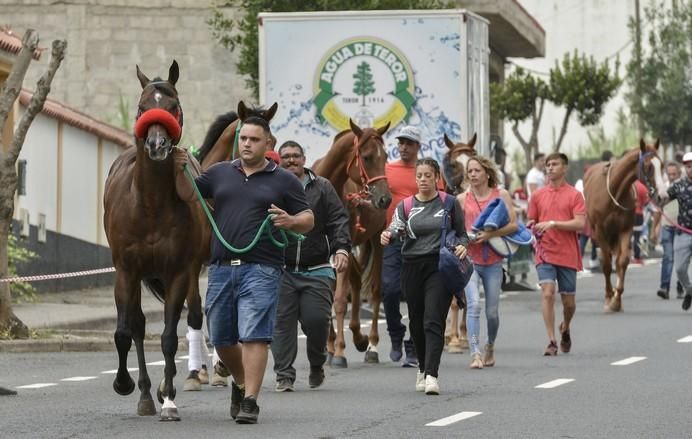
(265, 227)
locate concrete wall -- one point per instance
(107, 38)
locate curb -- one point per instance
(73, 343)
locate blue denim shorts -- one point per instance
(241, 303)
(566, 277)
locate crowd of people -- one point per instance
(257, 297)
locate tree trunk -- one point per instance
(526, 146)
(563, 130)
(8, 157)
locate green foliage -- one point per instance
(624, 138)
(241, 33)
(21, 291)
(122, 117)
(581, 84)
(363, 84)
(662, 98)
(518, 97)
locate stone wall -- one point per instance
(107, 38)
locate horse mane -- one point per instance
(214, 132)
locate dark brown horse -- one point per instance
(454, 166)
(220, 138)
(355, 166)
(155, 238)
(610, 200)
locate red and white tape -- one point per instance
(56, 276)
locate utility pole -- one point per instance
(638, 60)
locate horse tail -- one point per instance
(155, 287)
(367, 261)
(214, 132)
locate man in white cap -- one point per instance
(401, 178)
(681, 190)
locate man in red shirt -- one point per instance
(556, 212)
(401, 178)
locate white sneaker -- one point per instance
(420, 381)
(431, 385)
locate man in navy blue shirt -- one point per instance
(242, 293)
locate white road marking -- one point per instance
(37, 386)
(160, 363)
(687, 339)
(364, 325)
(628, 361)
(113, 371)
(184, 357)
(554, 383)
(452, 419)
(78, 379)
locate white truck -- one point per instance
(427, 68)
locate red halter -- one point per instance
(365, 181)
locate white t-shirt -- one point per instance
(534, 177)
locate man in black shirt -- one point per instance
(242, 293)
(681, 190)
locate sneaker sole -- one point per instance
(245, 420)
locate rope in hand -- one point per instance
(264, 227)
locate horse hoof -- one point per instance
(455, 348)
(339, 362)
(146, 408)
(464, 343)
(124, 387)
(372, 357)
(330, 356)
(169, 414)
(192, 384)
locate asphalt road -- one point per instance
(588, 396)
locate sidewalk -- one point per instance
(81, 320)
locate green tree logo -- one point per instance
(364, 85)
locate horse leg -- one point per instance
(331, 338)
(454, 345)
(622, 261)
(340, 307)
(169, 344)
(463, 339)
(360, 341)
(371, 355)
(607, 267)
(131, 326)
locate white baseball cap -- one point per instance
(687, 157)
(409, 132)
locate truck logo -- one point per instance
(365, 78)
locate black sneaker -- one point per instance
(411, 359)
(686, 302)
(316, 377)
(237, 396)
(663, 294)
(249, 411)
(680, 290)
(284, 385)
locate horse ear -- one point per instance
(472, 142)
(142, 78)
(268, 114)
(173, 73)
(383, 129)
(355, 128)
(448, 142)
(642, 145)
(657, 144)
(242, 110)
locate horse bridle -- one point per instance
(365, 179)
(641, 176)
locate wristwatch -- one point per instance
(552, 223)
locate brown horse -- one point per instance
(610, 200)
(355, 166)
(155, 238)
(454, 168)
(220, 138)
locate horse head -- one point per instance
(455, 160)
(159, 115)
(651, 170)
(370, 157)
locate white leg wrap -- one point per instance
(167, 403)
(215, 358)
(195, 340)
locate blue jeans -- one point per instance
(391, 290)
(241, 303)
(667, 242)
(491, 276)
